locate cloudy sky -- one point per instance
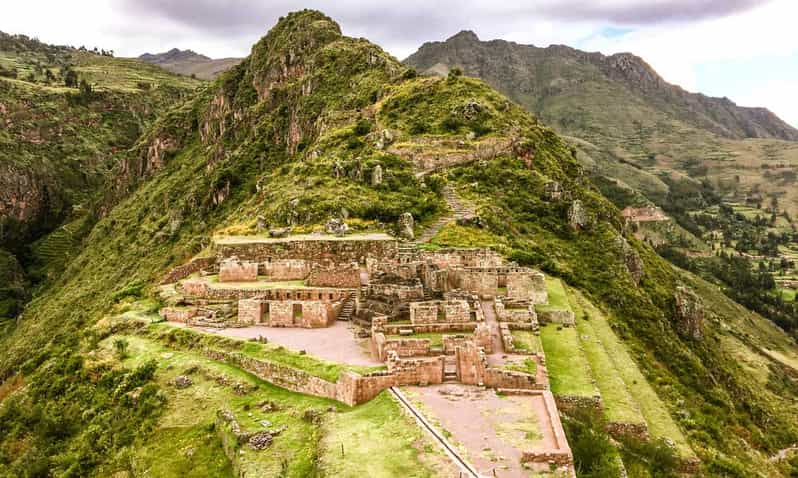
(743, 49)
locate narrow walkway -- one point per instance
(458, 209)
(464, 466)
(490, 318)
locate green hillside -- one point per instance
(293, 134)
(66, 114)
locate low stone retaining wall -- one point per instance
(408, 347)
(560, 454)
(637, 430)
(416, 371)
(182, 271)
(393, 329)
(571, 402)
(174, 314)
(510, 379)
(564, 317)
(341, 276)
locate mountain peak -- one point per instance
(464, 36)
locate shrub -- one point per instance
(120, 348)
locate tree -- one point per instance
(70, 79)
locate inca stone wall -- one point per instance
(471, 363)
(285, 269)
(527, 286)
(425, 313)
(174, 314)
(483, 283)
(310, 249)
(250, 311)
(408, 347)
(335, 275)
(416, 371)
(182, 271)
(232, 270)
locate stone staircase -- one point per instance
(347, 309)
(449, 369)
(458, 210)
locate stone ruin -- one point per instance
(389, 295)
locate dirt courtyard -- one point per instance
(336, 343)
(489, 430)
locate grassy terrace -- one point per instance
(187, 338)
(558, 298)
(568, 367)
(619, 405)
(660, 423)
(378, 429)
(526, 340)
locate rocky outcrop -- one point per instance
(405, 226)
(689, 313)
(577, 216)
(631, 259)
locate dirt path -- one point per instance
(489, 430)
(458, 210)
(336, 343)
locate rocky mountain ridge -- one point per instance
(511, 67)
(188, 62)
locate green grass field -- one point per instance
(660, 423)
(619, 405)
(568, 367)
(558, 298)
(526, 340)
(186, 424)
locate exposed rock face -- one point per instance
(689, 313)
(577, 216)
(405, 226)
(336, 226)
(261, 224)
(376, 176)
(553, 191)
(631, 259)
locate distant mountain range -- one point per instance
(188, 62)
(631, 126)
(542, 78)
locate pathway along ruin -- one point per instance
(469, 470)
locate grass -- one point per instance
(558, 298)
(527, 366)
(569, 369)
(436, 339)
(660, 423)
(184, 443)
(788, 294)
(355, 443)
(455, 235)
(329, 371)
(526, 340)
(619, 405)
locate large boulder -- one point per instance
(336, 226)
(577, 216)
(376, 176)
(689, 313)
(405, 226)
